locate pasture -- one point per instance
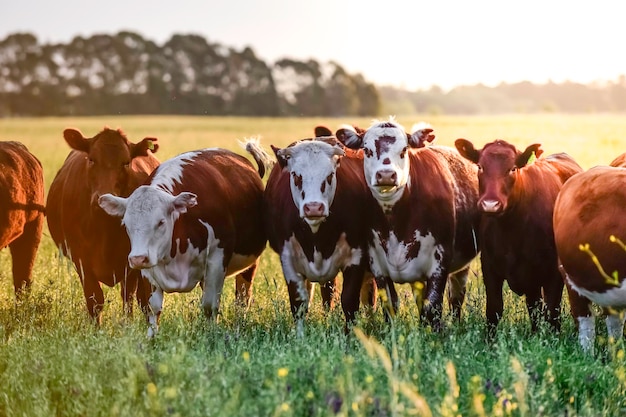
(54, 361)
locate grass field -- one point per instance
(55, 362)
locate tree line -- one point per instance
(125, 73)
(128, 74)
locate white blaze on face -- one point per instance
(312, 169)
(390, 257)
(149, 221)
(386, 161)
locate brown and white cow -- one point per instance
(422, 228)
(197, 219)
(590, 233)
(21, 210)
(96, 242)
(314, 220)
(517, 240)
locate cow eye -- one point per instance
(329, 178)
(127, 165)
(480, 167)
(161, 223)
(514, 169)
(91, 162)
(403, 152)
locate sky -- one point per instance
(413, 44)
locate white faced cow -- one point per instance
(314, 222)
(424, 226)
(197, 219)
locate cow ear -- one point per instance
(466, 149)
(142, 148)
(350, 138)
(528, 155)
(422, 134)
(112, 205)
(184, 201)
(76, 140)
(280, 156)
(322, 131)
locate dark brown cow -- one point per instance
(96, 242)
(423, 220)
(21, 210)
(314, 220)
(517, 241)
(590, 233)
(196, 220)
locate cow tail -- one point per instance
(263, 159)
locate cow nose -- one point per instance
(137, 262)
(491, 206)
(314, 209)
(386, 177)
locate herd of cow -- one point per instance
(380, 205)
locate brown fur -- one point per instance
(21, 210)
(96, 242)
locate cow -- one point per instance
(314, 222)
(590, 233)
(423, 222)
(196, 220)
(94, 241)
(517, 194)
(21, 210)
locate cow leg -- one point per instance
(23, 251)
(535, 308)
(128, 290)
(455, 290)
(328, 290)
(94, 297)
(369, 291)
(351, 293)
(243, 285)
(212, 291)
(495, 304)
(552, 295)
(435, 287)
(154, 312)
(388, 297)
(144, 291)
(615, 323)
(580, 308)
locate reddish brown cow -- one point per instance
(95, 242)
(314, 220)
(517, 241)
(21, 209)
(590, 232)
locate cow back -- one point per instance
(229, 192)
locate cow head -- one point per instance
(386, 163)
(498, 163)
(312, 166)
(109, 157)
(148, 214)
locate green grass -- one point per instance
(53, 361)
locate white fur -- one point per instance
(390, 258)
(614, 297)
(587, 332)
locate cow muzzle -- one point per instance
(139, 262)
(491, 206)
(314, 210)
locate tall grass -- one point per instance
(54, 361)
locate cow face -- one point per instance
(312, 166)
(498, 168)
(386, 164)
(149, 215)
(109, 157)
